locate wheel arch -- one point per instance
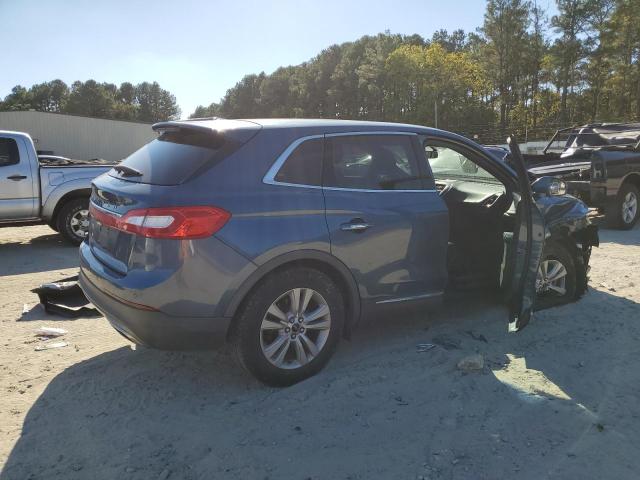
(632, 178)
(73, 194)
(315, 259)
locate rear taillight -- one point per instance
(166, 222)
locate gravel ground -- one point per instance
(558, 400)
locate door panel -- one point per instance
(402, 250)
(527, 249)
(383, 224)
(17, 196)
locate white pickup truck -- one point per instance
(51, 190)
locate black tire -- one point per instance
(247, 334)
(65, 216)
(616, 218)
(554, 252)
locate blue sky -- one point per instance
(198, 49)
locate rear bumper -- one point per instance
(153, 328)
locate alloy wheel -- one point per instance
(629, 207)
(295, 328)
(79, 223)
(551, 278)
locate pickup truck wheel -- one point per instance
(625, 215)
(556, 279)
(73, 220)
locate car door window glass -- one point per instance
(304, 165)
(446, 164)
(372, 162)
(8, 152)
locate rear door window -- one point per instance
(8, 152)
(304, 165)
(372, 162)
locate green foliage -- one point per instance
(520, 72)
(145, 102)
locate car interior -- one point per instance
(481, 218)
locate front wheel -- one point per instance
(73, 220)
(556, 279)
(289, 326)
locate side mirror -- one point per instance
(549, 186)
(431, 152)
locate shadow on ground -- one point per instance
(558, 400)
(621, 237)
(37, 254)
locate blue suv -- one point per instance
(281, 235)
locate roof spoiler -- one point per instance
(235, 130)
(180, 125)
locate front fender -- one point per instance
(563, 214)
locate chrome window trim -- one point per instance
(269, 178)
(382, 132)
(365, 190)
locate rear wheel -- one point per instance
(73, 220)
(289, 326)
(625, 214)
(556, 279)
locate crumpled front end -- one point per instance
(567, 222)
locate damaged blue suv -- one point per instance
(281, 235)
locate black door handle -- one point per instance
(15, 178)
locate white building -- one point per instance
(79, 137)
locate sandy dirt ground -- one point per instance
(558, 400)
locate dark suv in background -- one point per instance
(281, 235)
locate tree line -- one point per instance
(522, 71)
(145, 102)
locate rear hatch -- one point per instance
(143, 194)
(183, 150)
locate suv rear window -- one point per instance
(176, 155)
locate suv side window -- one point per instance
(304, 165)
(372, 162)
(8, 152)
(447, 163)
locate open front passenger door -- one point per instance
(526, 248)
